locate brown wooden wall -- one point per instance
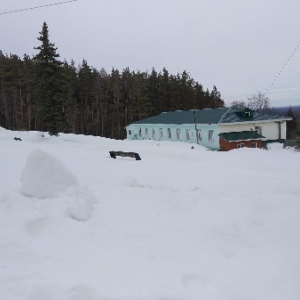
(226, 146)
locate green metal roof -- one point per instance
(203, 116)
(241, 136)
(237, 116)
(210, 116)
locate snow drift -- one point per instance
(181, 224)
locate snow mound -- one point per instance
(45, 176)
(82, 207)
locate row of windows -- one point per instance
(188, 134)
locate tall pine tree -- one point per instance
(50, 93)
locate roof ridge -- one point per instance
(223, 116)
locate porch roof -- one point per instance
(241, 136)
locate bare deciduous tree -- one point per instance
(238, 104)
(259, 102)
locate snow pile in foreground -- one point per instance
(45, 176)
(82, 207)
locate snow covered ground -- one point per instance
(181, 224)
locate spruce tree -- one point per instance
(291, 126)
(50, 88)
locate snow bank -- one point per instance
(45, 176)
(275, 146)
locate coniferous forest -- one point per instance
(42, 93)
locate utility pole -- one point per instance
(196, 130)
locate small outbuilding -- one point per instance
(217, 129)
(235, 140)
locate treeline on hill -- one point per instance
(91, 101)
(97, 102)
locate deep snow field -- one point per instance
(181, 224)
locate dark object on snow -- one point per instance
(17, 139)
(135, 155)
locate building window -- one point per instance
(199, 135)
(169, 133)
(161, 133)
(241, 145)
(254, 145)
(153, 134)
(210, 135)
(258, 129)
(129, 132)
(188, 136)
(178, 133)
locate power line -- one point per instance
(282, 69)
(35, 7)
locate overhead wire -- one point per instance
(35, 7)
(282, 69)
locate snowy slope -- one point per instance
(181, 223)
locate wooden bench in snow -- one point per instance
(135, 155)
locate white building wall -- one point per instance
(269, 129)
(164, 132)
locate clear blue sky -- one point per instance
(237, 45)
